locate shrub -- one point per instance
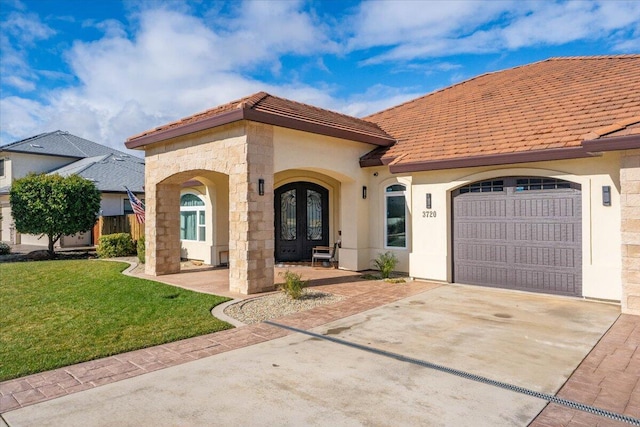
(114, 245)
(141, 249)
(386, 263)
(293, 285)
(4, 249)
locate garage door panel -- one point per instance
(546, 232)
(545, 257)
(546, 208)
(482, 230)
(483, 209)
(519, 236)
(483, 274)
(482, 253)
(547, 281)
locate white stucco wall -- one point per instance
(430, 256)
(112, 204)
(19, 165)
(379, 179)
(5, 223)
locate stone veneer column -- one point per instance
(630, 213)
(251, 233)
(162, 229)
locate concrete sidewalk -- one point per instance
(292, 380)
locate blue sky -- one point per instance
(105, 70)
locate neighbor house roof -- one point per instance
(264, 108)
(540, 111)
(110, 173)
(108, 168)
(58, 143)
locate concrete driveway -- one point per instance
(528, 340)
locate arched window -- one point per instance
(192, 218)
(395, 233)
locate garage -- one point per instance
(519, 233)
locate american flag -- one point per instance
(137, 206)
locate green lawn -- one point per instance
(57, 313)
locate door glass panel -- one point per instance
(314, 215)
(396, 222)
(288, 215)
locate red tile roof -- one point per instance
(514, 115)
(265, 108)
(553, 109)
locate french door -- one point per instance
(301, 220)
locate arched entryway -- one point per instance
(301, 220)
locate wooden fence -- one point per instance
(117, 224)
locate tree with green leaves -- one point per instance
(54, 206)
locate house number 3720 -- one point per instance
(429, 214)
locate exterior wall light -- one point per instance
(261, 187)
(606, 195)
(428, 200)
(364, 191)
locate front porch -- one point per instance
(215, 281)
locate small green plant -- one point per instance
(293, 285)
(386, 263)
(5, 249)
(115, 245)
(141, 249)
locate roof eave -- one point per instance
(208, 123)
(38, 154)
(246, 113)
(365, 163)
(493, 159)
(317, 128)
(614, 143)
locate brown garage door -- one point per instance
(519, 233)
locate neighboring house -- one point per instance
(527, 178)
(65, 154)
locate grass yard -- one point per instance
(57, 313)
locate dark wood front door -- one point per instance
(302, 220)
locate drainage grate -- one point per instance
(544, 396)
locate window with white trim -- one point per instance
(192, 218)
(1, 167)
(395, 203)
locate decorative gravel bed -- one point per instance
(272, 306)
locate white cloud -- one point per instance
(417, 30)
(392, 23)
(170, 65)
(20, 31)
(26, 28)
(20, 116)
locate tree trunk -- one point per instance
(52, 241)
